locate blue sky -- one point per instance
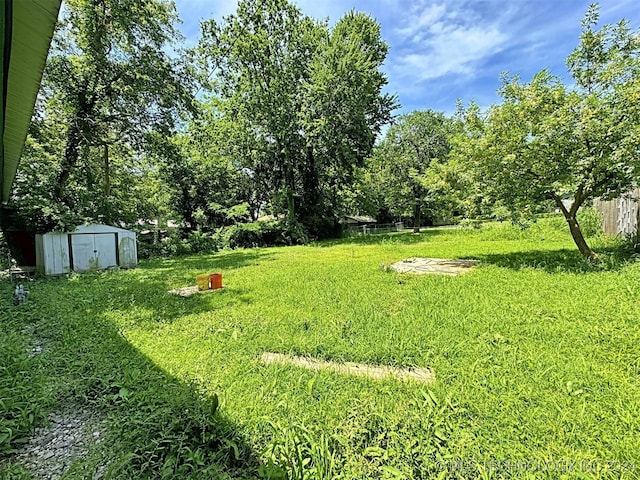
(443, 50)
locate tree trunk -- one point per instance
(72, 147)
(291, 206)
(107, 176)
(417, 217)
(574, 227)
(310, 204)
(579, 240)
(417, 207)
(289, 185)
(69, 161)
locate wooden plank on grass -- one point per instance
(422, 375)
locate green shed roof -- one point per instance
(27, 29)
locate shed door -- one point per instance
(93, 251)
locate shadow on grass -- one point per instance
(147, 299)
(405, 238)
(158, 426)
(225, 260)
(562, 260)
(143, 293)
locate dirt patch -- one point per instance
(423, 375)
(442, 266)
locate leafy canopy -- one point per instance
(548, 142)
(306, 101)
(109, 86)
(410, 165)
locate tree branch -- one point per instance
(559, 203)
(579, 199)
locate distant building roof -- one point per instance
(359, 219)
(270, 218)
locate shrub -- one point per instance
(198, 242)
(175, 245)
(501, 213)
(262, 234)
(470, 223)
(240, 235)
(590, 221)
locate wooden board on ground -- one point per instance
(442, 266)
(423, 375)
(188, 291)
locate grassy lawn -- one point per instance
(536, 357)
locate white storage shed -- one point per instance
(88, 247)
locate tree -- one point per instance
(345, 110)
(207, 186)
(410, 165)
(34, 207)
(308, 99)
(260, 55)
(108, 85)
(548, 142)
(217, 134)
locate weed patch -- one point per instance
(23, 397)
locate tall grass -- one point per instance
(534, 351)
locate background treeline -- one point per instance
(276, 116)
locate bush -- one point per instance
(198, 242)
(590, 221)
(240, 235)
(175, 245)
(501, 213)
(4, 253)
(262, 234)
(470, 223)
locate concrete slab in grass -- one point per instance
(442, 266)
(422, 375)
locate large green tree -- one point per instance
(409, 165)
(308, 99)
(548, 142)
(109, 84)
(344, 111)
(208, 184)
(259, 57)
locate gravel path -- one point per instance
(53, 449)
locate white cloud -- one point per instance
(430, 15)
(438, 44)
(614, 11)
(446, 49)
(456, 51)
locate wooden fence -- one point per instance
(620, 216)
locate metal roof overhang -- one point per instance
(27, 30)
